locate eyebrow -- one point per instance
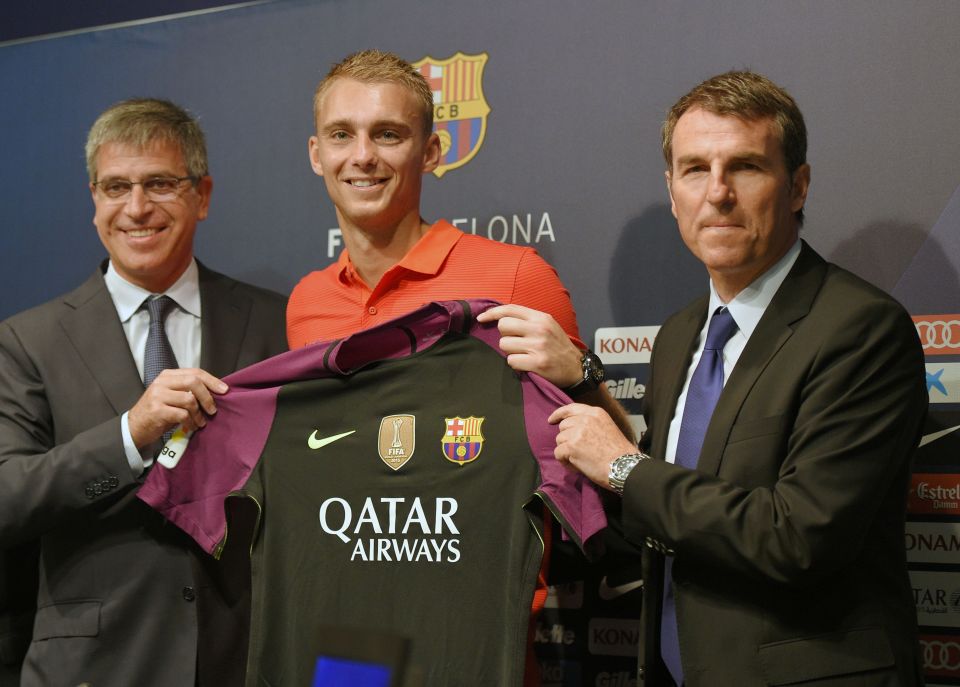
(746, 157)
(378, 124)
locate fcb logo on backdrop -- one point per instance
(459, 108)
(462, 441)
(397, 439)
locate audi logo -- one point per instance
(939, 334)
(940, 655)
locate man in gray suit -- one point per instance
(768, 499)
(122, 598)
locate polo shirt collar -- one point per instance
(426, 256)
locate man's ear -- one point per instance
(313, 149)
(204, 190)
(669, 177)
(431, 153)
(799, 186)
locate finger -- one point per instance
(214, 384)
(562, 413)
(202, 397)
(500, 311)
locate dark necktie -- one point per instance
(705, 387)
(158, 353)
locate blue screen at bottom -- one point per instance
(337, 672)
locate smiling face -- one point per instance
(150, 243)
(732, 195)
(372, 152)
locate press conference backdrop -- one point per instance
(549, 111)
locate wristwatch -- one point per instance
(621, 468)
(593, 375)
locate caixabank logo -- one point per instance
(459, 107)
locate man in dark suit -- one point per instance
(123, 598)
(769, 499)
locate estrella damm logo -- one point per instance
(462, 441)
(459, 108)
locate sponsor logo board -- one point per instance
(934, 493)
(939, 334)
(937, 595)
(561, 673)
(943, 382)
(569, 595)
(624, 345)
(933, 542)
(613, 637)
(941, 655)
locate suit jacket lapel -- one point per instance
(790, 304)
(93, 328)
(223, 322)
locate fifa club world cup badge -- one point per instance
(462, 441)
(397, 439)
(459, 108)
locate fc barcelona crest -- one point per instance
(459, 108)
(397, 439)
(462, 441)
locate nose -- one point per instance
(138, 203)
(719, 191)
(364, 152)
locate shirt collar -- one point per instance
(426, 256)
(127, 297)
(748, 306)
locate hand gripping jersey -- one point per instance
(396, 474)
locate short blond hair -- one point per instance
(376, 66)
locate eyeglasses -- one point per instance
(156, 188)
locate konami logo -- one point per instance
(932, 542)
(624, 345)
(934, 493)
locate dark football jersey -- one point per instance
(398, 476)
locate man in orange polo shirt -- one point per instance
(374, 142)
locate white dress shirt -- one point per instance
(182, 326)
(746, 308)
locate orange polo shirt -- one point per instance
(445, 264)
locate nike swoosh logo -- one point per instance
(927, 438)
(608, 593)
(315, 443)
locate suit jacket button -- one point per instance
(114, 481)
(88, 490)
(189, 594)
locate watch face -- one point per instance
(622, 466)
(592, 367)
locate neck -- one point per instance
(374, 251)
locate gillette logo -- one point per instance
(626, 388)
